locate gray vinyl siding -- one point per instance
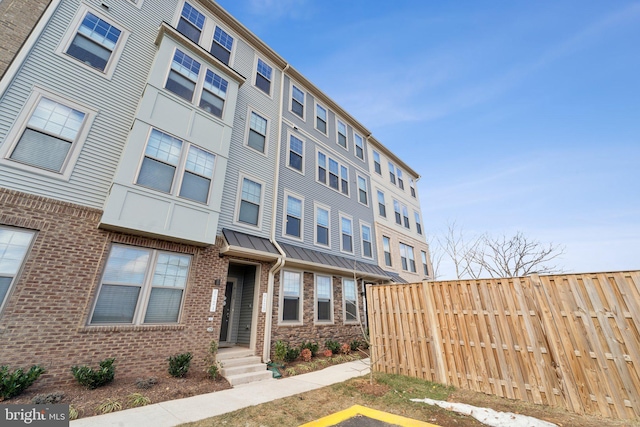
(243, 159)
(246, 313)
(115, 99)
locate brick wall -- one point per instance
(44, 319)
(17, 19)
(308, 331)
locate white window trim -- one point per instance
(206, 27)
(209, 30)
(344, 304)
(255, 73)
(300, 321)
(236, 214)
(316, 104)
(16, 277)
(355, 149)
(20, 125)
(367, 190)
(366, 224)
(373, 158)
(304, 151)
(418, 220)
(317, 179)
(331, 321)
(66, 40)
(377, 205)
(353, 234)
(338, 134)
(384, 259)
(304, 105)
(317, 205)
(247, 129)
(284, 216)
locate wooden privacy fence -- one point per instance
(569, 341)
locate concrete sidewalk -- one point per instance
(175, 412)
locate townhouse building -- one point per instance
(167, 179)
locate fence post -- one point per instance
(436, 341)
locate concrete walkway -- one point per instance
(175, 412)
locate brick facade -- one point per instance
(309, 330)
(45, 318)
(17, 20)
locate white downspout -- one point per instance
(266, 351)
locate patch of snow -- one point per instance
(489, 416)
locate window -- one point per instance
(94, 42)
(344, 180)
(297, 101)
(386, 246)
(412, 186)
(338, 174)
(406, 256)
(333, 174)
(400, 181)
(405, 216)
(250, 199)
(342, 134)
(141, 286)
(392, 173)
(396, 208)
(322, 226)
(183, 75)
(376, 163)
(291, 296)
(14, 245)
(322, 168)
(418, 224)
(214, 92)
(362, 191)
(296, 152)
(293, 223)
(359, 146)
(324, 313)
(221, 45)
(191, 22)
(350, 300)
(321, 119)
(366, 241)
(257, 132)
(346, 244)
(425, 266)
(382, 207)
(263, 76)
(51, 134)
(163, 162)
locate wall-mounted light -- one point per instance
(217, 282)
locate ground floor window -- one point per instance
(291, 297)
(350, 294)
(14, 244)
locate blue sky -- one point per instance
(519, 116)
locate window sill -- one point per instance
(130, 328)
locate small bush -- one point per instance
(345, 349)
(213, 371)
(355, 345)
(306, 355)
(327, 353)
(47, 399)
(213, 366)
(146, 383)
(179, 364)
(291, 372)
(14, 383)
(136, 399)
(280, 352)
(313, 347)
(109, 405)
(94, 379)
(334, 346)
(292, 354)
(73, 413)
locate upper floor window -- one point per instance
(406, 256)
(405, 216)
(141, 285)
(297, 101)
(250, 200)
(425, 266)
(94, 42)
(257, 132)
(359, 146)
(344, 180)
(392, 173)
(291, 296)
(338, 174)
(321, 119)
(350, 293)
(386, 247)
(221, 45)
(382, 207)
(324, 294)
(191, 22)
(418, 223)
(367, 249)
(376, 163)
(293, 225)
(412, 186)
(183, 75)
(342, 134)
(400, 180)
(396, 208)
(214, 93)
(296, 153)
(166, 158)
(347, 234)
(263, 76)
(322, 226)
(363, 196)
(14, 245)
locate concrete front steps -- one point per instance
(240, 366)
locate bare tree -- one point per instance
(454, 245)
(435, 255)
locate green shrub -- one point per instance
(213, 368)
(14, 383)
(179, 364)
(292, 354)
(313, 347)
(94, 379)
(108, 406)
(136, 400)
(355, 345)
(334, 346)
(280, 352)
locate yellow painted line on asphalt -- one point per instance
(338, 417)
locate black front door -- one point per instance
(226, 312)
